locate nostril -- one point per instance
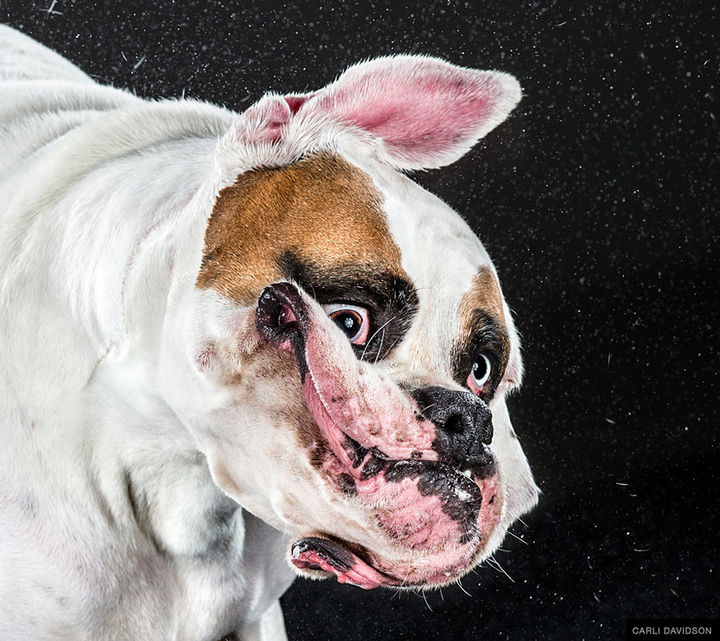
(273, 313)
(286, 317)
(278, 308)
(455, 423)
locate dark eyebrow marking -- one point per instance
(391, 298)
(482, 329)
(483, 333)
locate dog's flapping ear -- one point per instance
(423, 112)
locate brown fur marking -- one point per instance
(322, 209)
(484, 294)
(480, 306)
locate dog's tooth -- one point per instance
(467, 473)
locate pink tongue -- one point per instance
(314, 553)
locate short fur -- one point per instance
(159, 455)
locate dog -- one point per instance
(241, 346)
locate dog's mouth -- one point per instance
(429, 520)
(337, 557)
(436, 551)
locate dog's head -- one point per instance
(345, 352)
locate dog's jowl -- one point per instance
(239, 346)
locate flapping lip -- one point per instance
(381, 453)
(334, 557)
(358, 565)
(366, 463)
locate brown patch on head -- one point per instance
(482, 327)
(484, 294)
(322, 210)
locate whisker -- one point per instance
(426, 601)
(416, 287)
(460, 585)
(425, 409)
(518, 538)
(407, 574)
(383, 326)
(494, 563)
(395, 342)
(382, 340)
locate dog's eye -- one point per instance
(353, 321)
(479, 374)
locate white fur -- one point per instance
(105, 199)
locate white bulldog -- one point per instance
(234, 345)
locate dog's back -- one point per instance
(42, 97)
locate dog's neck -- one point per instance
(87, 289)
(104, 441)
(86, 266)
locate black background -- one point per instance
(598, 201)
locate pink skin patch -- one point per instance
(491, 509)
(361, 402)
(204, 358)
(413, 519)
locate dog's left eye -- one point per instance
(479, 374)
(353, 321)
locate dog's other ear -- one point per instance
(266, 120)
(427, 112)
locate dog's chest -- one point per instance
(234, 584)
(209, 595)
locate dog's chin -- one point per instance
(321, 556)
(426, 525)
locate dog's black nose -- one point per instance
(280, 311)
(463, 422)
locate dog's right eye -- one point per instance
(479, 374)
(352, 320)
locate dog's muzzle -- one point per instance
(419, 463)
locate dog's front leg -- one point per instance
(270, 626)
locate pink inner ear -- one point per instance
(296, 101)
(265, 120)
(276, 116)
(427, 111)
(422, 117)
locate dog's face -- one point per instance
(345, 351)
